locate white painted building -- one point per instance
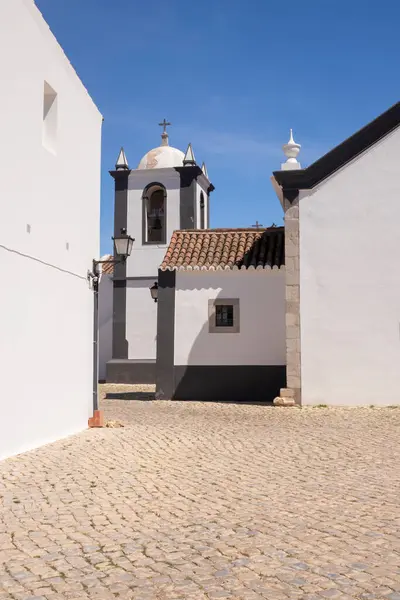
(221, 320)
(50, 148)
(342, 243)
(167, 191)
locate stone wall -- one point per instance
(292, 267)
(292, 394)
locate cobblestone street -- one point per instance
(205, 501)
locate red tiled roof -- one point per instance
(216, 249)
(107, 267)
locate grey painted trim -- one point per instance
(202, 210)
(187, 203)
(144, 224)
(195, 216)
(204, 183)
(131, 371)
(190, 177)
(188, 174)
(232, 383)
(141, 278)
(187, 206)
(165, 335)
(212, 303)
(120, 343)
(124, 172)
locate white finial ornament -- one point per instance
(291, 151)
(189, 159)
(122, 161)
(204, 169)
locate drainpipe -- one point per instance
(95, 339)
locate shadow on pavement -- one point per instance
(147, 396)
(130, 396)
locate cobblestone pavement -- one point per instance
(201, 501)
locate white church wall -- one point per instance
(261, 340)
(106, 290)
(50, 174)
(146, 259)
(141, 320)
(349, 282)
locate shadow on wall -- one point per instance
(225, 366)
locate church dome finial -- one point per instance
(164, 135)
(291, 151)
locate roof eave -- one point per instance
(220, 269)
(116, 173)
(195, 172)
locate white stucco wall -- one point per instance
(350, 282)
(261, 340)
(48, 200)
(106, 290)
(141, 320)
(145, 259)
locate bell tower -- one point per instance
(167, 191)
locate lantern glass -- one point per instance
(154, 291)
(123, 244)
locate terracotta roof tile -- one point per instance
(107, 267)
(212, 249)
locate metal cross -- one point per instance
(258, 225)
(165, 125)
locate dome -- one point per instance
(162, 157)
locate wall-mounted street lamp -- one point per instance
(154, 291)
(123, 244)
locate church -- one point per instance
(304, 314)
(167, 192)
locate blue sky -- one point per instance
(232, 77)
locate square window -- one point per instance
(223, 315)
